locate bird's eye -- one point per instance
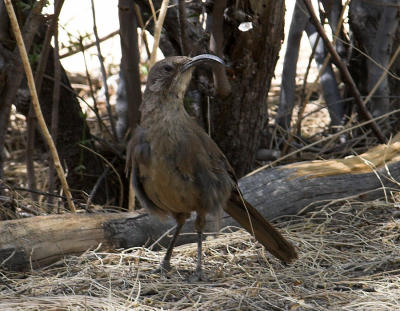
(168, 68)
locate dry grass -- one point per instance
(349, 260)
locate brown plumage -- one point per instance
(178, 169)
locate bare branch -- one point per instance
(55, 106)
(74, 51)
(143, 27)
(157, 30)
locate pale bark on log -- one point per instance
(285, 190)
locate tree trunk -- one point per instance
(239, 120)
(287, 97)
(374, 25)
(130, 115)
(280, 191)
(300, 22)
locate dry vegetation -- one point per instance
(349, 260)
(349, 255)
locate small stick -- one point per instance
(56, 104)
(143, 27)
(157, 30)
(121, 195)
(91, 89)
(35, 102)
(41, 67)
(153, 11)
(77, 50)
(384, 74)
(333, 136)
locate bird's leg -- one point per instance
(199, 271)
(180, 221)
(200, 223)
(166, 265)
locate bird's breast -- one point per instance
(181, 175)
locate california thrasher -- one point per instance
(178, 169)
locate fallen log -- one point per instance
(286, 190)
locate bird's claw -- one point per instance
(197, 276)
(163, 269)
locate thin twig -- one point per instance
(38, 192)
(72, 91)
(91, 89)
(97, 185)
(328, 56)
(30, 150)
(121, 185)
(157, 30)
(55, 107)
(35, 102)
(369, 58)
(75, 50)
(306, 96)
(382, 77)
(103, 74)
(41, 68)
(143, 27)
(303, 103)
(322, 140)
(153, 11)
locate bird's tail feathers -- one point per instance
(250, 219)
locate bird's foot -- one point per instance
(197, 276)
(163, 269)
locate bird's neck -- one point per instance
(164, 108)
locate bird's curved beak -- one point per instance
(202, 58)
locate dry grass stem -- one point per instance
(157, 30)
(349, 260)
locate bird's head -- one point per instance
(171, 76)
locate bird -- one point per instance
(177, 169)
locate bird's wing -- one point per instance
(244, 213)
(138, 152)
